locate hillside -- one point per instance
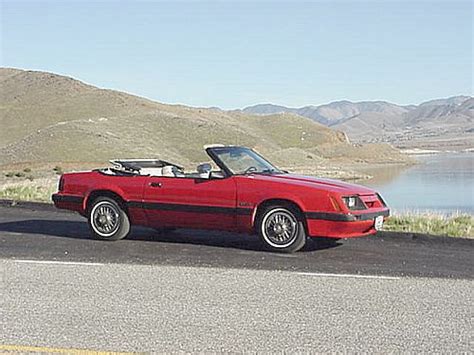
(447, 121)
(48, 118)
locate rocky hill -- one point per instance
(449, 121)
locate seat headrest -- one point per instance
(204, 168)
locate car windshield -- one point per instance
(241, 161)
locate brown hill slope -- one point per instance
(32, 100)
(48, 117)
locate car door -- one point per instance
(190, 202)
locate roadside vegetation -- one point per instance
(28, 193)
(457, 225)
(24, 183)
(58, 170)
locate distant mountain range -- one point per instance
(384, 121)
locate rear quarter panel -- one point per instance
(129, 188)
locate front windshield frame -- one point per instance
(215, 153)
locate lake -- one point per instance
(443, 183)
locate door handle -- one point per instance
(155, 184)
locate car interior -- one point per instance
(159, 168)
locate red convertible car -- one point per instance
(244, 193)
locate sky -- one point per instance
(235, 54)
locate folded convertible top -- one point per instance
(138, 164)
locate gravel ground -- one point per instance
(162, 308)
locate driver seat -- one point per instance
(204, 170)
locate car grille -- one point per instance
(371, 201)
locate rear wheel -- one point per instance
(107, 220)
(281, 229)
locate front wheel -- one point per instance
(107, 220)
(281, 229)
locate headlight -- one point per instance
(350, 201)
(354, 203)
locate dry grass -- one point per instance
(457, 225)
(28, 193)
(38, 188)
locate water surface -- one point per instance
(443, 183)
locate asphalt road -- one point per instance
(213, 292)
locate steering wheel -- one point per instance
(250, 170)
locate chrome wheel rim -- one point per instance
(279, 228)
(105, 219)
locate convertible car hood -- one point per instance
(319, 183)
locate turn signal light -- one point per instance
(335, 204)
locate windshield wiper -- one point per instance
(268, 171)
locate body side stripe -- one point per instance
(189, 208)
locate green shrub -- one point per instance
(27, 170)
(10, 174)
(19, 174)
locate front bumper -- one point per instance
(349, 217)
(340, 225)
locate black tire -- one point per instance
(267, 228)
(104, 228)
(328, 240)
